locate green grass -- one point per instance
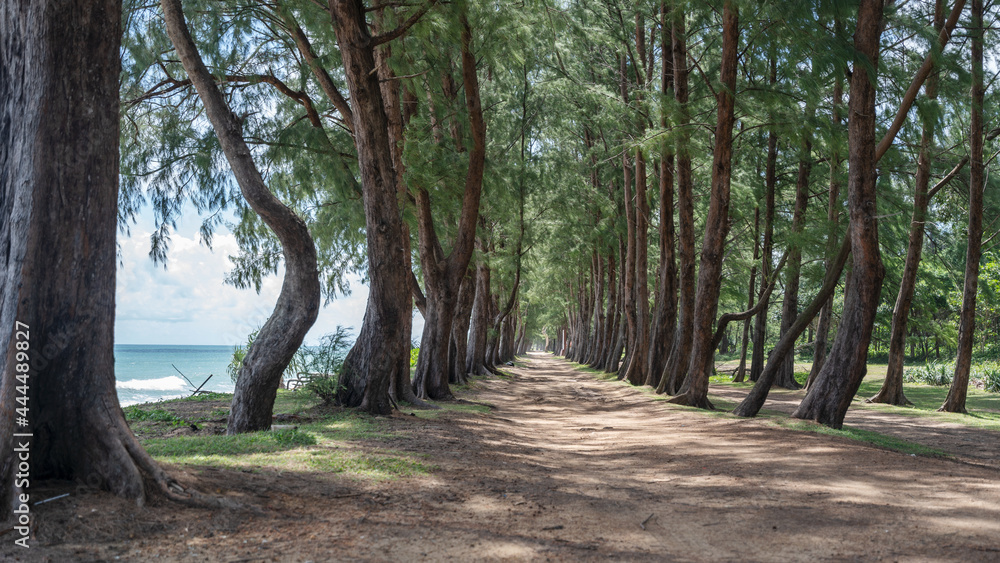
(239, 445)
(332, 441)
(202, 397)
(136, 414)
(447, 406)
(857, 434)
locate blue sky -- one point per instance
(188, 302)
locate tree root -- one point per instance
(687, 400)
(883, 397)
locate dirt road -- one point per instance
(570, 468)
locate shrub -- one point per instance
(989, 376)
(929, 374)
(324, 387)
(326, 360)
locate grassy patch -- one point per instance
(983, 407)
(201, 397)
(135, 413)
(449, 406)
(857, 434)
(178, 447)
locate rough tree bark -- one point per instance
(460, 329)
(830, 395)
(475, 358)
(716, 223)
(383, 343)
(955, 402)
(444, 274)
(665, 316)
(298, 303)
(59, 112)
(677, 362)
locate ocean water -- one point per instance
(144, 373)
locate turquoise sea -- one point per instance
(144, 372)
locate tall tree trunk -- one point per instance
(298, 303)
(740, 374)
(833, 219)
(640, 354)
(612, 315)
(892, 387)
(629, 302)
(444, 274)
(383, 343)
(955, 402)
(677, 363)
(757, 359)
(790, 306)
(661, 335)
(830, 395)
(716, 223)
(400, 108)
(59, 110)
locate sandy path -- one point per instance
(596, 459)
(570, 468)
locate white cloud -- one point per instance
(189, 302)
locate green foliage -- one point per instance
(324, 387)
(318, 365)
(930, 374)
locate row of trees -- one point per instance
(342, 137)
(836, 131)
(497, 166)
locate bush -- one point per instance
(989, 376)
(323, 361)
(323, 386)
(929, 374)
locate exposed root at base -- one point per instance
(687, 400)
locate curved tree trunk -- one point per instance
(830, 395)
(383, 342)
(298, 303)
(716, 223)
(59, 80)
(955, 402)
(754, 400)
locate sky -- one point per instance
(188, 302)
